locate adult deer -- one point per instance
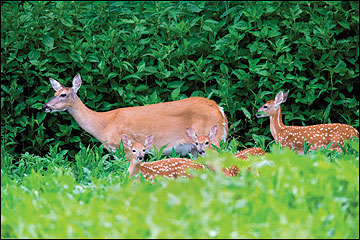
(204, 141)
(166, 121)
(293, 137)
(170, 168)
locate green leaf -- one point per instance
(246, 113)
(327, 111)
(175, 94)
(132, 76)
(240, 74)
(21, 106)
(48, 41)
(193, 8)
(344, 24)
(101, 65)
(34, 55)
(37, 105)
(23, 120)
(112, 75)
(340, 67)
(76, 57)
(224, 69)
(141, 88)
(62, 57)
(273, 33)
(75, 139)
(144, 41)
(175, 84)
(263, 73)
(242, 25)
(92, 58)
(67, 22)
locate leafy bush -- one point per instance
(133, 53)
(57, 181)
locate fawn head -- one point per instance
(202, 142)
(271, 106)
(64, 96)
(138, 149)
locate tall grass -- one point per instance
(310, 196)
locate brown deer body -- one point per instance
(252, 151)
(170, 168)
(166, 121)
(294, 137)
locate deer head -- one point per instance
(64, 97)
(138, 149)
(202, 142)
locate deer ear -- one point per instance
(56, 85)
(76, 84)
(149, 141)
(126, 142)
(191, 134)
(278, 99)
(213, 133)
(285, 97)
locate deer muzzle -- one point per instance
(261, 114)
(46, 108)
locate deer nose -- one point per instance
(45, 107)
(259, 114)
(201, 152)
(140, 158)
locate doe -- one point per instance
(165, 120)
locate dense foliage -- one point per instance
(311, 196)
(58, 182)
(133, 53)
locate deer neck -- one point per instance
(91, 121)
(276, 124)
(133, 168)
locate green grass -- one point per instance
(310, 196)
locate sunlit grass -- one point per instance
(295, 196)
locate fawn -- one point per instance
(255, 151)
(293, 137)
(203, 142)
(170, 168)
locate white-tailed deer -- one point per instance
(293, 137)
(255, 151)
(243, 155)
(201, 142)
(204, 141)
(170, 168)
(166, 121)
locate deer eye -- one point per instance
(144, 150)
(63, 95)
(265, 106)
(206, 143)
(134, 151)
(197, 143)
